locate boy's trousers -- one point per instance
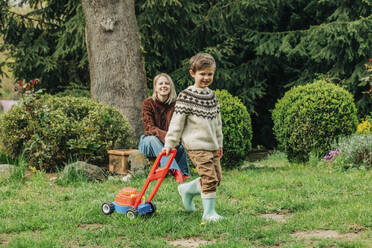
(209, 168)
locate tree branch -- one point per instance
(31, 19)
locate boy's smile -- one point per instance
(203, 78)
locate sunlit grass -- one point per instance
(38, 212)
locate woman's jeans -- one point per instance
(151, 146)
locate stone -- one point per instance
(247, 166)
(116, 178)
(53, 179)
(138, 163)
(127, 178)
(6, 170)
(92, 172)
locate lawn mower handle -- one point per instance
(156, 174)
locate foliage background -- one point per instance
(310, 117)
(262, 48)
(236, 129)
(53, 131)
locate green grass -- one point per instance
(37, 212)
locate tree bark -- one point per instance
(116, 66)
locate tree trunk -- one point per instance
(116, 67)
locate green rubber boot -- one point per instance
(187, 191)
(210, 214)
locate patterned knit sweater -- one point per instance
(197, 120)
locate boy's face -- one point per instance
(162, 86)
(203, 78)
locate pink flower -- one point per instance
(331, 154)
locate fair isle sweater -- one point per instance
(196, 120)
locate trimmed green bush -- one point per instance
(58, 129)
(308, 118)
(236, 128)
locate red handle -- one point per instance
(156, 175)
(171, 151)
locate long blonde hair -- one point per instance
(172, 94)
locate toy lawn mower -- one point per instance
(130, 202)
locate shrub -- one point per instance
(56, 129)
(308, 118)
(236, 128)
(74, 93)
(365, 126)
(355, 151)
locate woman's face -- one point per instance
(162, 86)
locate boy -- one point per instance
(197, 120)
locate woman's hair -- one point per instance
(201, 61)
(172, 94)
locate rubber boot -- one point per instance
(209, 212)
(187, 192)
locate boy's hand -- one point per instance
(220, 152)
(166, 150)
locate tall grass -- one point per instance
(17, 173)
(71, 176)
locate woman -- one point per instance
(157, 112)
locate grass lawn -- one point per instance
(264, 206)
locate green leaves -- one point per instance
(262, 48)
(308, 118)
(236, 128)
(355, 152)
(46, 42)
(64, 128)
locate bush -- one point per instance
(74, 93)
(57, 129)
(365, 126)
(308, 118)
(355, 151)
(236, 128)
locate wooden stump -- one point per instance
(118, 160)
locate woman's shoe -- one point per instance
(179, 177)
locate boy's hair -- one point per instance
(201, 61)
(172, 94)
